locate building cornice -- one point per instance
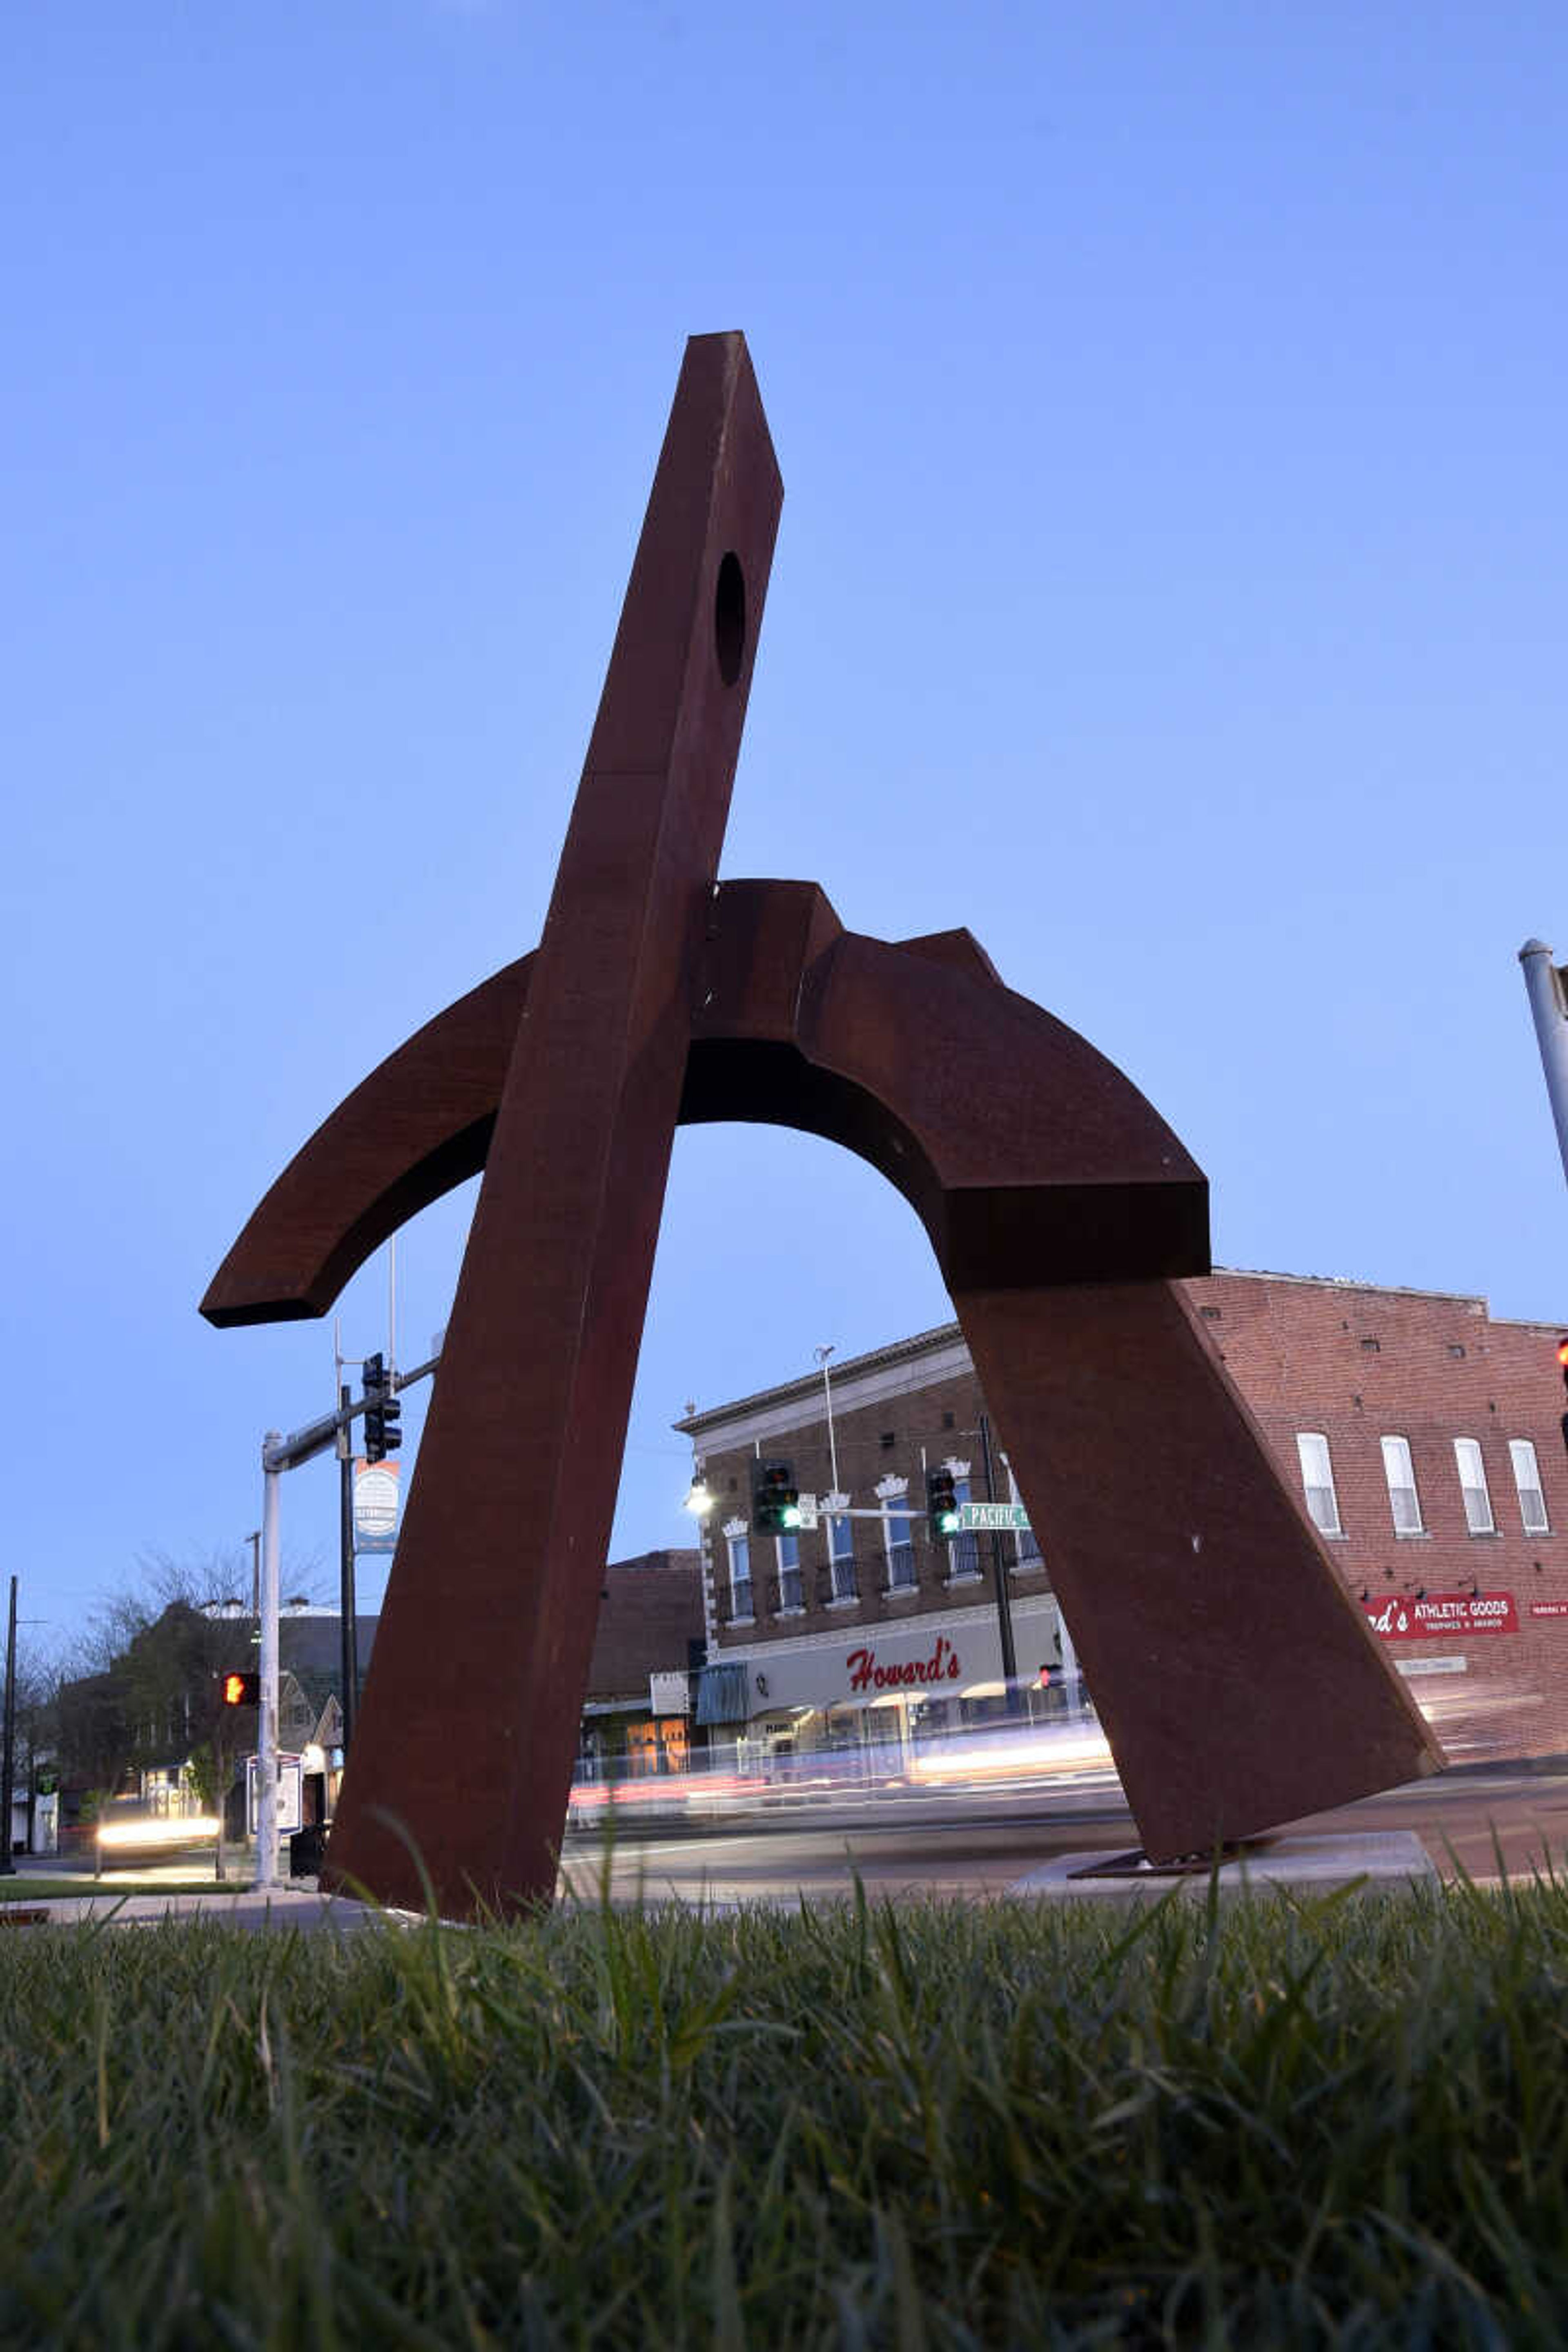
(781, 1404)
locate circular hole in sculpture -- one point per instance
(729, 618)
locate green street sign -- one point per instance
(995, 1518)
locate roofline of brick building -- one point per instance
(905, 1350)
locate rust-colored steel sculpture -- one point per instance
(1238, 1684)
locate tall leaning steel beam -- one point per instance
(508, 1513)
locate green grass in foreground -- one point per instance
(1276, 2124)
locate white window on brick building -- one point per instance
(962, 1550)
(791, 1584)
(1026, 1544)
(1402, 1499)
(1318, 1481)
(840, 1549)
(1527, 1480)
(898, 1533)
(738, 1539)
(1473, 1486)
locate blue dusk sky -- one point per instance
(1170, 401)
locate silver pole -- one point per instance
(267, 1737)
(822, 1354)
(1070, 1676)
(8, 1755)
(1545, 993)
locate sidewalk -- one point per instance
(299, 1907)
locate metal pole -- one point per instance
(7, 1760)
(348, 1642)
(1070, 1675)
(1546, 1003)
(267, 1740)
(822, 1355)
(999, 1571)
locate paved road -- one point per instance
(953, 1845)
(946, 1844)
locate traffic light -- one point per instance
(941, 1505)
(776, 1499)
(382, 1412)
(242, 1690)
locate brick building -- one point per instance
(1420, 1436)
(648, 1638)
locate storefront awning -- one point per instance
(723, 1695)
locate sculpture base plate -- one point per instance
(1378, 1862)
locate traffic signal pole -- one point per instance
(347, 1602)
(267, 1735)
(279, 1453)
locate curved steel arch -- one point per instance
(1028, 1156)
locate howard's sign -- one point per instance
(1401, 1618)
(941, 1666)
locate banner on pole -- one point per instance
(376, 1494)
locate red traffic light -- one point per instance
(1562, 1356)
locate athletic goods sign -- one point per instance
(1399, 1618)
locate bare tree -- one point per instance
(148, 1689)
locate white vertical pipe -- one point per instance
(1550, 1033)
(822, 1355)
(267, 1736)
(1071, 1676)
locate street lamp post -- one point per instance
(1549, 1008)
(822, 1354)
(999, 1578)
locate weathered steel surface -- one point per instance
(1237, 1682)
(870, 1036)
(470, 1724)
(419, 1125)
(1235, 1679)
(1239, 1685)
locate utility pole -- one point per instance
(279, 1453)
(9, 1756)
(1544, 984)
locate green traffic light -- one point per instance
(949, 1523)
(790, 1515)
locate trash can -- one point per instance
(306, 1851)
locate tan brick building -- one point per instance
(1420, 1435)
